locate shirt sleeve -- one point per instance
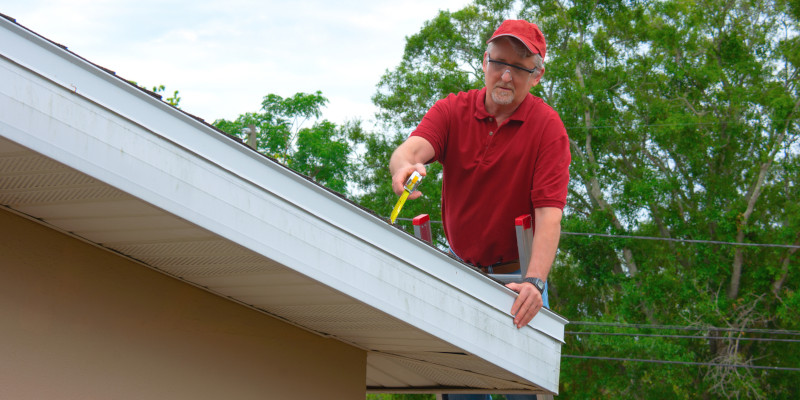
(551, 170)
(434, 128)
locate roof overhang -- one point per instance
(91, 155)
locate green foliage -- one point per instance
(160, 91)
(173, 101)
(322, 154)
(278, 124)
(324, 151)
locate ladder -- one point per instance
(523, 226)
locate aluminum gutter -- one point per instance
(100, 125)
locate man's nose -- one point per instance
(506, 73)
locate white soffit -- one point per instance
(90, 154)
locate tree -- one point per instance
(322, 151)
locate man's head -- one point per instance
(512, 62)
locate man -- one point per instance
(505, 153)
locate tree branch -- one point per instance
(752, 197)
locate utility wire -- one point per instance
(683, 336)
(411, 219)
(665, 125)
(687, 328)
(707, 364)
(788, 246)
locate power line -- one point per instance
(643, 126)
(789, 246)
(667, 125)
(607, 235)
(706, 364)
(683, 336)
(687, 328)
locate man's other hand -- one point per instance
(528, 303)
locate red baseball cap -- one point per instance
(524, 31)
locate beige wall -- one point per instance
(78, 322)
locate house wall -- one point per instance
(79, 322)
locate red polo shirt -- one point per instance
(494, 174)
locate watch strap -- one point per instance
(537, 283)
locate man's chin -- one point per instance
(503, 99)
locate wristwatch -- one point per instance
(537, 283)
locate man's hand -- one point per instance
(546, 232)
(401, 176)
(406, 159)
(527, 304)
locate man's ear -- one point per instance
(538, 77)
(483, 65)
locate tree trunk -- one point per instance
(593, 185)
(778, 284)
(738, 258)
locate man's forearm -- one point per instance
(547, 223)
(415, 150)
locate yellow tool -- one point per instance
(411, 186)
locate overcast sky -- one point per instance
(225, 56)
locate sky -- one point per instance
(224, 56)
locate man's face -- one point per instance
(506, 84)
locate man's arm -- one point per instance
(547, 223)
(407, 158)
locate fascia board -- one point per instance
(97, 124)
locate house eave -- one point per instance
(203, 184)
